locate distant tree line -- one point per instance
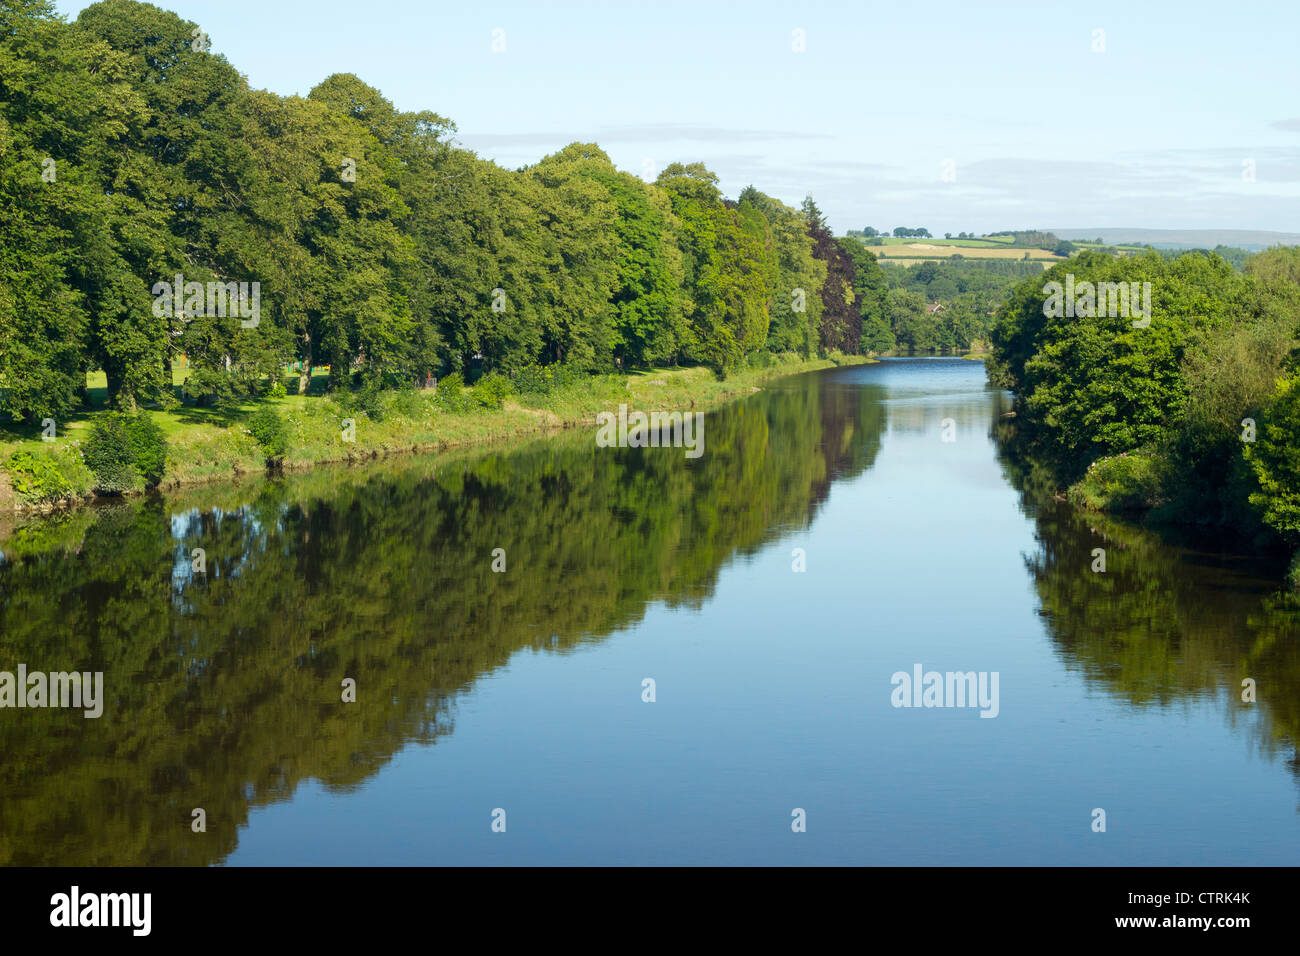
(1031, 238)
(1231, 254)
(900, 232)
(949, 306)
(931, 306)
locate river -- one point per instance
(840, 529)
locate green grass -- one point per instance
(97, 384)
(206, 443)
(1120, 484)
(942, 251)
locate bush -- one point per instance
(269, 429)
(211, 387)
(148, 448)
(371, 401)
(367, 398)
(1275, 458)
(125, 452)
(543, 379)
(408, 403)
(37, 479)
(450, 393)
(1127, 482)
(109, 455)
(1293, 573)
(491, 390)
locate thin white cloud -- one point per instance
(641, 133)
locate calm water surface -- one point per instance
(523, 690)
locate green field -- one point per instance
(986, 247)
(992, 242)
(911, 250)
(919, 250)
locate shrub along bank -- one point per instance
(113, 453)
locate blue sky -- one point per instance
(1042, 132)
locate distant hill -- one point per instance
(1250, 239)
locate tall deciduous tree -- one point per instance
(841, 325)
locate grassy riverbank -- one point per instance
(209, 444)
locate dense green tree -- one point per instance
(649, 305)
(871, 293)
(724, 273)
(794, 275)
(1102, 385)
(1275, 458)
(1186, 392)
(578, 273)
(841, 324)
(173, 175)
(63, 99)
(908, 322)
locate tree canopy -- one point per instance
(131, 156)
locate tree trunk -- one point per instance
(112, 382)
(304, 376)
